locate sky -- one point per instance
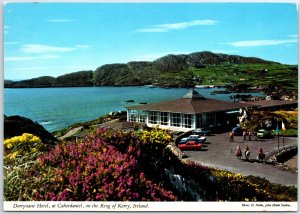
(52, 39)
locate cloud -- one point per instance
(28, 58)
(40, 49)
(40, 52)
(293, 36)
(61, 20)
(176, 26)
(82, 46)
(254, 43)
(11, 43)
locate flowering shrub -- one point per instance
(156, 136)
(21, 146)
(20, 153)
(151, 144)
(235, 187)
(277, 192)
(96, 170)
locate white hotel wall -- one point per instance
(133, 116)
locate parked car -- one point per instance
(202, 131)
(182, 141)
(190, 145)
(263, 133)
(238, 131)
(196, 138)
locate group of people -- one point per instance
(261, 154)
(245, 134)
(249, 134)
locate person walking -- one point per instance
(247, 152)
(244, 134)
(249, 133)
(261, 155)
(231, 136)
(238, 152)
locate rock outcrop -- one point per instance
(17, 125)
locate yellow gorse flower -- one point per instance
(156, 136)
(22, 145)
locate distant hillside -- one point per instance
(40, 82)
(185, 70)
(200, 60)
(77, 79)
(170, 70)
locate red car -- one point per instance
(190, 145)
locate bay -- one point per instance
(57, 108)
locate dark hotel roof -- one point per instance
(191, 103)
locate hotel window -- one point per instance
(141, 116)
(152, 117)
(187, 120)
(175, 119)
(164, 120)
(132, 115)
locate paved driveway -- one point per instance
(218, 152)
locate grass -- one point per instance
(284, 76)
(291, 117)
(289, 132)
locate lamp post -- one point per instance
(283, 129)
(277, 133)
(283, 139)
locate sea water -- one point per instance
(57, 108)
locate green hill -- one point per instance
(185, 70)
(40, 82)
(76, 79)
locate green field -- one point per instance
(284, 76)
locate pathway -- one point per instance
(75, 130)
(218, 152)
(70, 133)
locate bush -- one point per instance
(21, 146)
(96, 170)
(235, 187)
(20, 153)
